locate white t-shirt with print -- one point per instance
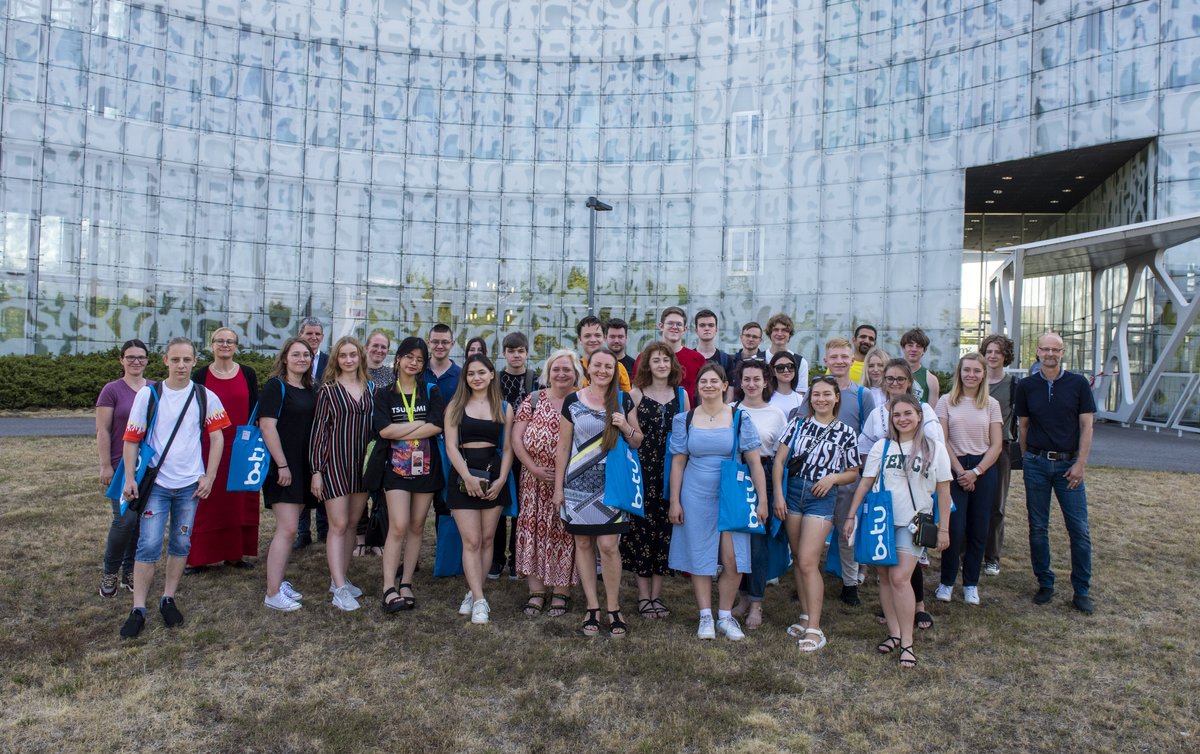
(184, 463)
(875, 427)
(898, 480)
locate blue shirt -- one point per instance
(1053, 410)
(447, 383)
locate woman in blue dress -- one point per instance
(700, 445)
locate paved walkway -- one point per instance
(1114, 445)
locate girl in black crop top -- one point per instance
(477, 423)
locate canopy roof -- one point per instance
(1100, 249)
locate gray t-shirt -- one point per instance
(857, 405)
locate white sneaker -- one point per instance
(281, 602)
(971, 595)
(355, 592)
(465, 606)
(730, 628)
(480, 612)
(287, 588)
(344, 600)
(706, 629)
(944, 593)
(923, 561)
(992, 569)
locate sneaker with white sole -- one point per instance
(706, 630)
(468, 602)
(923, 561)
(730, 629)
(944, 593)
(281, 602)
(991, 569)
(287, 588)
(480, 612)
(108, 585)
(344, 600)
(971, 595)
(355, 592)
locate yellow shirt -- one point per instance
(856, 368)
(622, 375)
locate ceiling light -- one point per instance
(1054, 201)
(1079, 177)
(975, 219)
(989, 201)
(1033, 221)
(1066, 191)
(997, 191)
(1006, 177)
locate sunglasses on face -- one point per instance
(781, 368)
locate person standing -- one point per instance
(752, 335)
(874, 363)
(590, 331)
(673, 326)
(516, 382)
(972, 424)
(616, 335)
(914, 344)
(312, 332)
(780, 330)
(998, 353)
(1055, 409)
(287, 407)
(441, 369)
(186, 410)
(226, 525)
(785, 383)
(381, 373)
(706, 326)
(864, 340)
(112, 415)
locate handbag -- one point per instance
(923, 526)
(146, 483)
(737, 500)
(376, 463)
(249, 459)
(875, 537)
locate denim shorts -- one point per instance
(802, 502)
(177, 505)
(904, 542)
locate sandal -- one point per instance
(532, 609)
(754, 618)
(559, 610)
(410, 601)
(924, 620)
(812, 645)
(796, 630)
(591, 626)
(360, 549)
(888, 645)
(661, 608)
(616, 626)
(396, 605)
(911, 660)
(647, 610)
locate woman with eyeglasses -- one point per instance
(112, 412)
(226, 526)
(973, 425)
(897, 382)
(785, 378)
(286, 411)
(820, 453)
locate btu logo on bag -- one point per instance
(878, 527)
(752, 503)
(635, 467)
(255, 472)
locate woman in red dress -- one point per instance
(226, 525)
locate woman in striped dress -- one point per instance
(341, 429)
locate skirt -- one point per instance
(476, 458)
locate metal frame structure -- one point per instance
(1140, 248)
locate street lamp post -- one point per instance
(595, 205)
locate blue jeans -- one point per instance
(969, 524)
(122, 541)
(305, 527)
(754, 584)
(180, 506)
(1041, 476)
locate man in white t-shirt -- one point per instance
(183, 477)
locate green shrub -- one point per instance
(74, 381)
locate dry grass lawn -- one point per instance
(237, 677)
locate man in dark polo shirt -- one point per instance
(1055, 408)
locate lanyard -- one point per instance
(409, 406)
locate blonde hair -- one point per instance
(838, 343)
(219, 330)
(958, 392)
(555, 356)
(333, 371)
(875, 352)
(457, 408)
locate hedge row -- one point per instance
(74, 381)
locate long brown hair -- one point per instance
(333, 371)
(279, 366)
(643, 378)
(612, 402)
(457, 407)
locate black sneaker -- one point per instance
(1083, 604)
(496, 570)
(170, 613)
(850, 596)
(302, 541)
(133, 625)
(1044, 595)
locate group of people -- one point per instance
(484, 446)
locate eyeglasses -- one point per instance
(224, 342)
(780, 368)
(135, 359)
(673, 325)
(895, 380)
(440, 342)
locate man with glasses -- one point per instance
(752, 335)
(673, 326)
(442, 371)
(312, 332)
(864, 341)
(780, 330)
(1055, 409)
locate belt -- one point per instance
(1055, 455)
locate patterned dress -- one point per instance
(644, 549)
(339, 439)
(544, 548)
(584, 510)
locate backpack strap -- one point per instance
(688, 421)
(530, 378)
(679, 393)
(860, 415)
(534, 397)
(202, 404)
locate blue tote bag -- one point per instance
(116, 488)
(249, 460)
(737, 500)
(875, 539)
(623, 475)
(447, 559)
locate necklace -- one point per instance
(223, 373)
(710, 417)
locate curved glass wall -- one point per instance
(166, 167)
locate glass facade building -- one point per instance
(166, 167)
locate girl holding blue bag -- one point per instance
(915, 467)
(819, 453)
(592, 420)
(701, 440)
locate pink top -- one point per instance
(969, 426)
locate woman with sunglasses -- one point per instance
(897, 382)
(785, 379)
(820, 453)
(112, 411)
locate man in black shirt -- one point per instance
(616, 334)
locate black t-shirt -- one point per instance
(390, 407)
(629, 363)
(513, 387)
(294, 418)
